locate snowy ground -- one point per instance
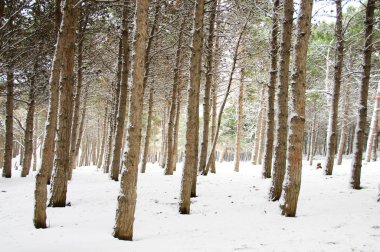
(231, 213)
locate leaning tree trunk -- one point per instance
(62, 161)
(29, 125)
(171, 124)
(208, 84)
(372, 135)
(279, 162)
(7, 167)
(192, 124)
(356, 163)
(43, 175)
(147, 131)
(267, 165)
(126, 200)
(239, 124)
(333, 115)
(297, 120)
(123, 96)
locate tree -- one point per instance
(279, 161)
(126, 200)
(297, 120)
(333, 114)
(356, 161)
(239, 125)
(373, 129)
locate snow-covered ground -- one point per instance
(230, 213)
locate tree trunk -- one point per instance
(256, 141)
(115, 167)
(170, 127)
(28, 141)
(35, 139)
(208, 84)
(356, 163)
(297, 120)
(267, 165)
(333, 114)
(262, 136)
(62, 162)
(147, 131)
(343, 134)
(372, 135)
(7, 167)
(163, 138)
(313, 138)
(192, 124)
(239, 124)
(101, 153)
(176, 128)
(279, 162)
(123, 228)
(81, 125)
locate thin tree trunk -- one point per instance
(117, 148)
(28, 141)
(208, 84)
(163, 139)
(372, 135)
(35, 139)
(356, 163)
(262, 137)
(176, 128)
(123, 228)
(333, 114)
(107, 158)
(101, 153)
(279, 162)
(256, 141)
(81, 125)
(239, 124)
(192, 124)
(313, 138)
(59, 185)
(267, 165)
(7, 167)
(147, 131)
(343, 134)
(297, 120)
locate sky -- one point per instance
(324, 10)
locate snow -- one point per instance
(230, 213)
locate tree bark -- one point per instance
(81, 125)
(101, 154)
(269, 132)
(208, 84)
(297, 120)
(279, 162)
(239, 124)
(192, 124)
(61, 166)
(147, 131)
(262, 136)
(256, 141)
(176, 128)
(356, 163)
(343, 134)
(372, 135)
(123, 228)
(7, 167)
(333, 114)
(115, 166)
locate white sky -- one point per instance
(324, 10)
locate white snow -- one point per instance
(230, 213)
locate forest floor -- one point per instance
(231, 213)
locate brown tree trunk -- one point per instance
(239, 124)
(35, 139)
(262, 137)
(279, 161)
(372, 135)
(115, 166)
(208, 84)
(62, 162)
(101, 153)
(297, 120)
(147, 131)
(163, 138)
(123, 228)
(333, 114)
(176, 128)
(7, 167)
(28, 141)
(192, 124)
(359, 137)
(267, 165)
(343, 134)
(81, 125)
(256, 146)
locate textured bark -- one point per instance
(208, 84)
(61, 163)
(35, 139)
(108, 147)
(333, 114)
(262, 137)
(123, 228)
(29, 126)
(372, 135)
(7, 167)
(147, 131)
(115, 166)
(297, 119)
(171, 124)
(356, 163)
(279, 159)
(269, 132)
(313, 139)
(176, 129)
(343, 134)
(259, 124)
(81, 125)
(43, 175)
(192, 123)
(163, 139)
(239, 124)
(101, 153)
(213, 124)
